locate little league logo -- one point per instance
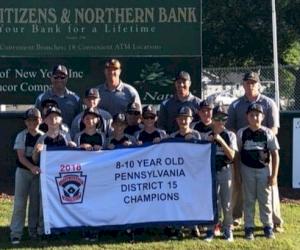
(71, 187)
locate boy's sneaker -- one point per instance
(209, 236)
(93, 237)
(195, 232)
(86, 235)
(33, 236)
(228, 235)
(249, 233)
(278, 228)
(130, 234)
(15, 241)
(175, 234)
(217, 229)
(268, 232)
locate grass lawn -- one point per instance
(290, 239)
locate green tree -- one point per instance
(239, 33)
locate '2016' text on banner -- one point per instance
(161, 184)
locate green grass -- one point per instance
(153, 240)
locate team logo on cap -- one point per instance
(71, 187)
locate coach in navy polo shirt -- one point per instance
(182, 98)
(115, 94)
(68, 102)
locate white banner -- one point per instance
(296, 150)
(166, 183)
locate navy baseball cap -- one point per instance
(133, 107)
(183, 75)
(206, 104)
(119, 118)
(185, 111)
(113, 64)
(49, 103)
(91, 111)
(255, 107)
(53, 110)
(219, 111)
(92, 92)
(60, 69)
(32, 113)
(254, 76)
(149, 110)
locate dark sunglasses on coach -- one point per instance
(149, 117)
(133, 113)
(59, 77)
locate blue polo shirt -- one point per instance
(116, 100)
(69, 104)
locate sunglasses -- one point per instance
(149, 117)
(50, 105)
(133, 113)
(220, 119)
(59, 77)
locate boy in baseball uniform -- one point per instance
(257, 143)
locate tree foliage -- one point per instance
(239, 32)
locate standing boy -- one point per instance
(256, 144)
(150, 133)
(205, 112)
(46, 104)
(90, 138)
(54, 137)
(118, 137)
(226, 146)
(184, 119)
(27, 178)
(133, 118)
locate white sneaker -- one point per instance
(228, 235)
(15, 241)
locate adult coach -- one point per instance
(182, 98)
(68, 102)
(115, 94)
(237, 119)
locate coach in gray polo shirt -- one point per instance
(183, 97)
(115, 94)
(68, 102)
(237, 119)
(237, 109)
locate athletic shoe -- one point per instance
(15, 241)
(195, 232)
(209, 236)
(228, 235)
(249, 233)
(268, 232)
(33, 236)
(130, 234)
(86, 235)
(278, 228)
(217, 230)
(93, 236)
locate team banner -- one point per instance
(166, 183)
(296, 150)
